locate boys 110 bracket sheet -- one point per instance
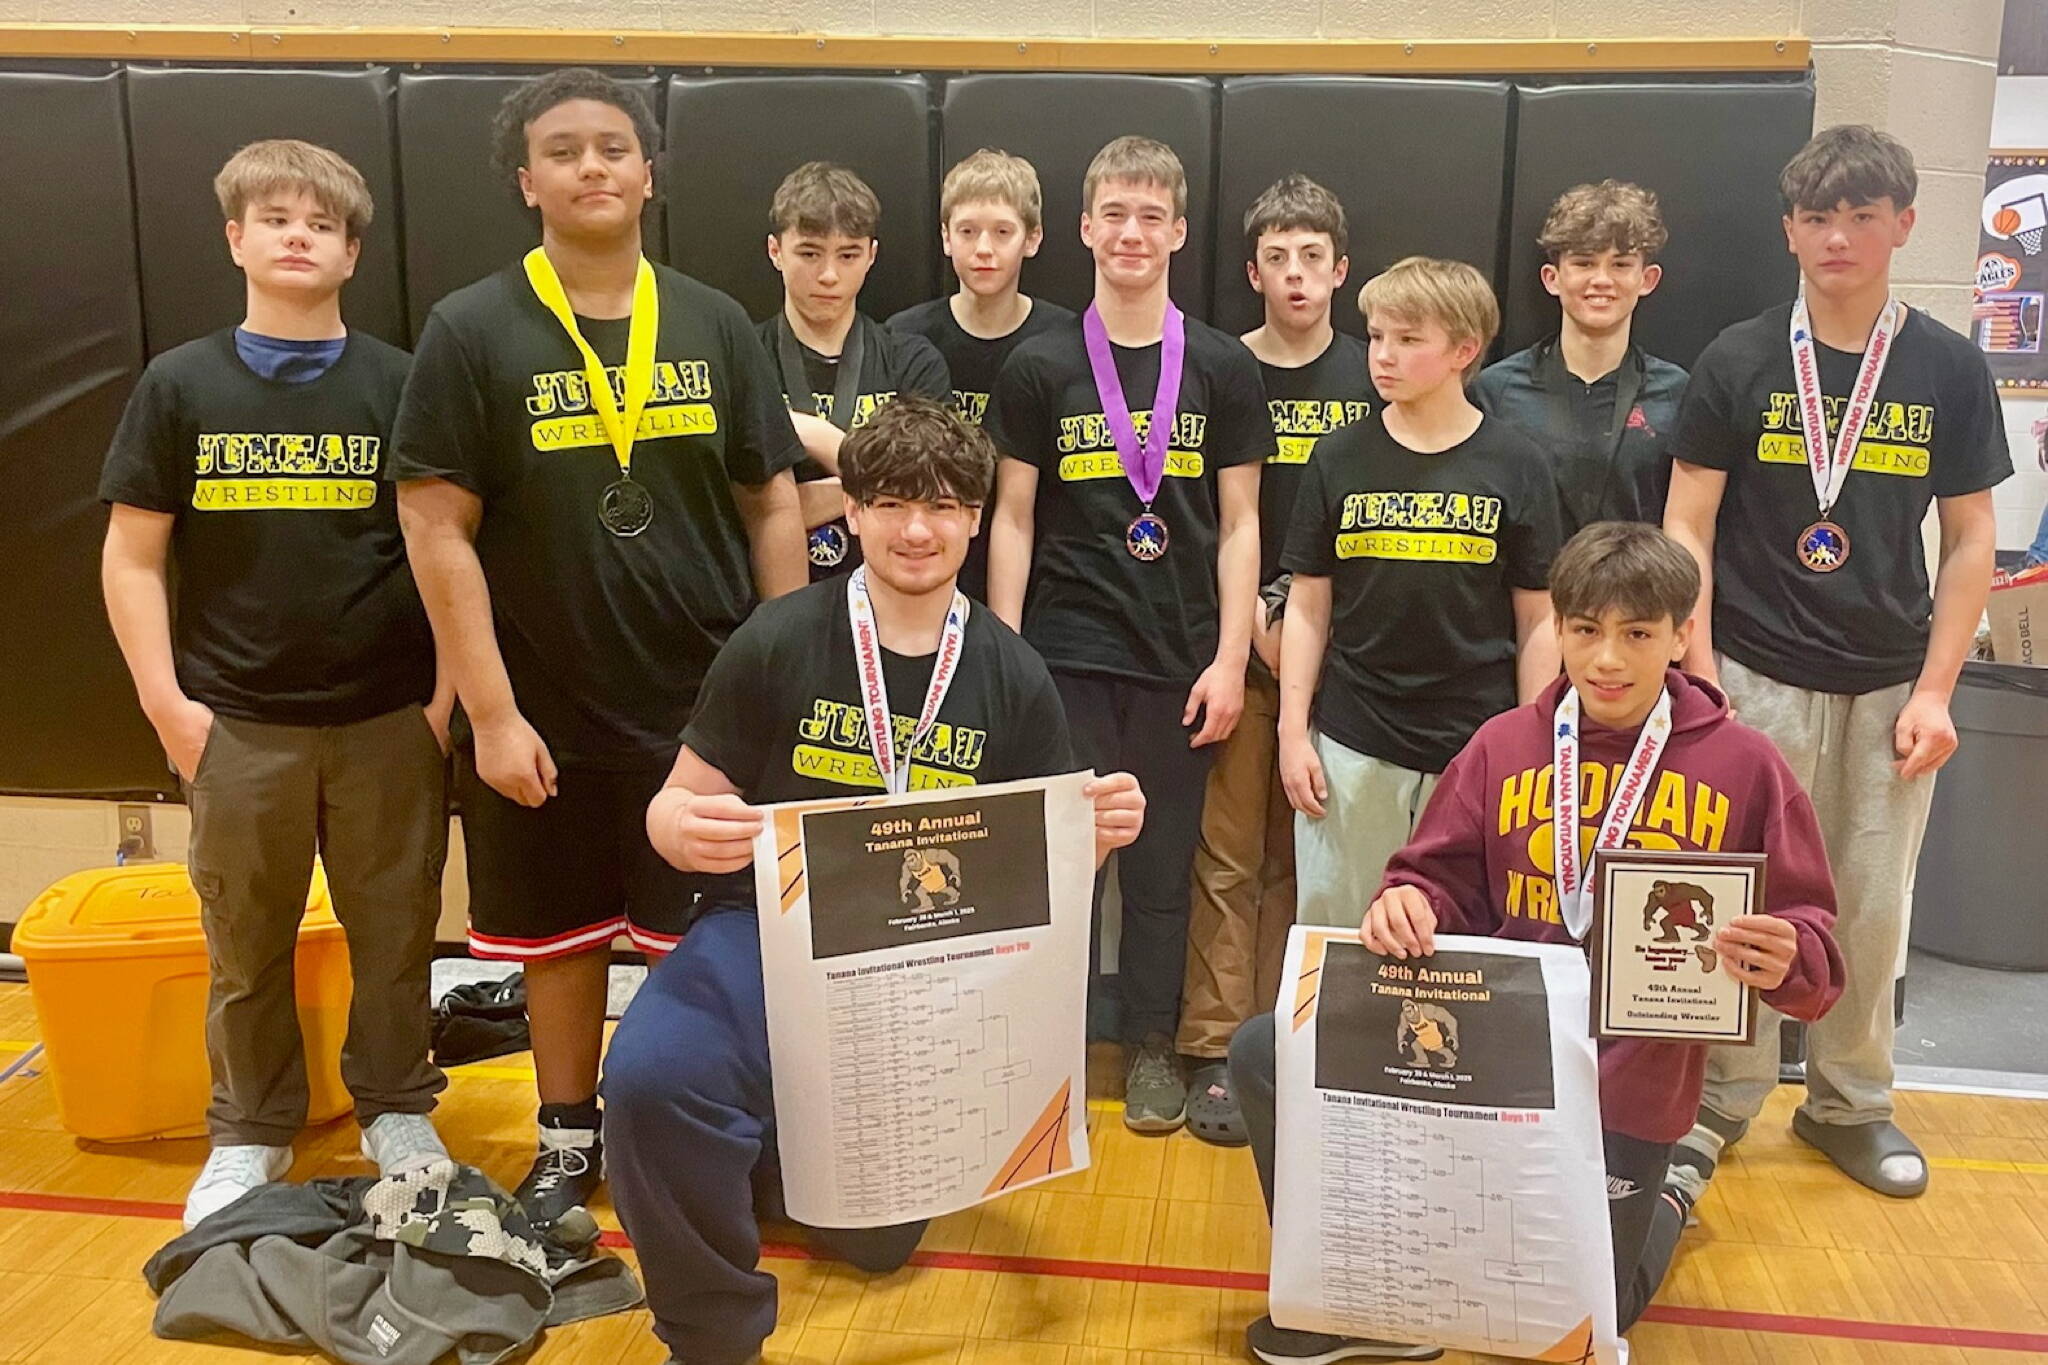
(1439, 1175)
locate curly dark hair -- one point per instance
(919, 450)
(535, 97)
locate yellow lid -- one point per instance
(121, 909)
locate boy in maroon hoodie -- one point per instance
(1480, 862)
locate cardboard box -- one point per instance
(2018, 612)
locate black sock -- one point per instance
(584, 1115)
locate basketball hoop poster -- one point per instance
(2012, 269)
(1438, 1169)
(926, 964)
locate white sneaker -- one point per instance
(230, 1173)
(402, 1143)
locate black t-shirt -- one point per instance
(605, 639)
(1605, 471)
(1308, 402)
(781, 712)
(293, 603)
(1422, 553)
(1935, 431)
(1094, 608)
(891, 363)
(974, 362)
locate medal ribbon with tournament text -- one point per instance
(874, 688)
(1574, 898)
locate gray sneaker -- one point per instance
(1285, 1346)
(1155, 1092)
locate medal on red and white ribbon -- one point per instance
(1574, 894)
(1824, 546)
(874, 688)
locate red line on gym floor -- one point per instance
(1722, 1319)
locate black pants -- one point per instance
(1122, 727)
(1644, 1226)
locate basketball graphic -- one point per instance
(2006, 221)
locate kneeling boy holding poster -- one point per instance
(1487, 858)
(691, 1102)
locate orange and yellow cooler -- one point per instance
(117, 966)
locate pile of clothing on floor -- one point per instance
(399, 1271)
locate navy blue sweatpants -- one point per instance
(689, 1113)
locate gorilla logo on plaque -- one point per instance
(928, 873)
(1655, 971)
(1427, 1035)
(1684, 906)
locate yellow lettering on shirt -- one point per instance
(1107, 464)
(836, 749)
(556, 392)
(1895, 439)
(302, 495)
(1090, 431)
(1445, 549)
(1872, 457)
(1681, 814)
(865, 406)
(256, 454)
(972, 407)
(1299, 422)
(587, 430)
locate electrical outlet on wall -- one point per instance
(138, 838)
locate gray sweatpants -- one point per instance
(1340, 856)
(370, 799)
(1840, 748)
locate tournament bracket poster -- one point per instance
(2012, 270)
(925, 959)
(1439, 1175)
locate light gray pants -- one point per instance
(1840, 748)
(1340, 857)
(370, 799)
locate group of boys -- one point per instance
(1284, 592)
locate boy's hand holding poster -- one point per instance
(926, 963)
(1439, 1176)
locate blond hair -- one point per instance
(1137, 161)
(288, 166)
(1613, 215)
(1449, 293)
(819, 199)
(991, 176)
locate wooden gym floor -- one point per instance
(1154, 1256)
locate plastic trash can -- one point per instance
(1981, 894)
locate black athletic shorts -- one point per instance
(566, 877)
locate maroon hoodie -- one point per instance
(1482, 854)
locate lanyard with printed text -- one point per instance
(874, 688)
(1574, 897)
(1830, 469)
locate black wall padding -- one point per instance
(71, 330)
(1710, 151)
(1059, 123)
(186, 122)
(731, 139)
(463, 219)
(1418, 165)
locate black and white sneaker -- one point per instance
(565, 1176)
(1285, 1346)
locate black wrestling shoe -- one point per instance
(565, 1176)
(1285, 1346)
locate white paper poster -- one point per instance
(926, 963)
(1439, 1175)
